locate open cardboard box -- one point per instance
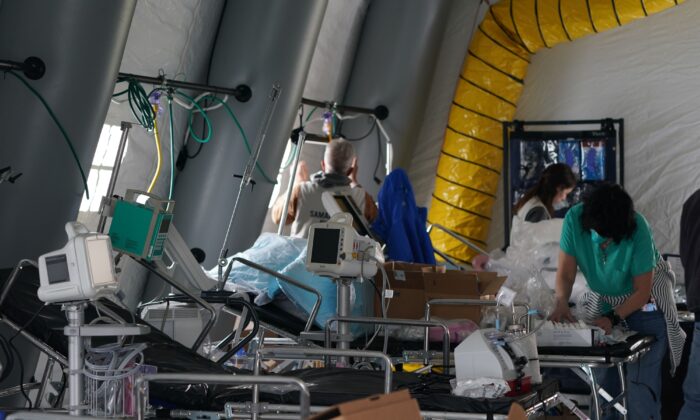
(416, 284)
(397, 405)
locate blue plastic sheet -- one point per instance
(287, 255)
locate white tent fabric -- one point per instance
(643, 72)
(646, 73)
(174, 37)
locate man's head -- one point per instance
(339, 157)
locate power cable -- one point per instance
(59, 125)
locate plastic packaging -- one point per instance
(459, 330)
(362, 294)
(270, 250)
(480, 388)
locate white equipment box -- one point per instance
(568, 334)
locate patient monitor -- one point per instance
(83, 269)
(336, 250)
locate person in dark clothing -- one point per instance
(690, 257)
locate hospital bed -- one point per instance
(42, 324)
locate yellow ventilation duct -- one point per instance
(489, 86)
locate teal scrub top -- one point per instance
(610, 271)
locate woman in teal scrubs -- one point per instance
(629, 283)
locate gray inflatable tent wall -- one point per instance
(81, 43)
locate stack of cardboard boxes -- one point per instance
(414, 285)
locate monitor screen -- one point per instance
(325, 246)
(164, 225)
(57, 269)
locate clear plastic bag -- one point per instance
(270, 250)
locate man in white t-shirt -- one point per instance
(338, 174)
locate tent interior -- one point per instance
(307, 64)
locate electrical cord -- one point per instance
(19, 357)
(21, 376)
(59, 125)
(139, 102)
(190, 118)
(384, 301)
(364, 136)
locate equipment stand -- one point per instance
(76, 331)
(75, 312)
(344, 308)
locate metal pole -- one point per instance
(126, 126)
(389, 147)
(287, 279)
(13, 276)
(75, 312)
(343, 301)
(189, 378)
(292, 178)
(241, 92)
(295, 352)
(623, 387)
(396, 321)
(36, 342)
(256, 388)
(381, 112)
(248, 173)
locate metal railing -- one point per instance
(189, 378)
(286, 279)
(398, 321)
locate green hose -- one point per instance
(138, 102)
(190, 118)
(238, 124)
(60, 127)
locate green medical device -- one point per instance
(140, 229)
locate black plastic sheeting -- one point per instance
(432, 391)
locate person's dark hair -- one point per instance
(554, 177)
(609, 210)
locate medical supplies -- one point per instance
(140, 228)
(489, 353)
(82, 269)
(569, 334)
(336, 250)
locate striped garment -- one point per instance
(662, 292)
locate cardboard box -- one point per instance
(416, 284)
(397, 405)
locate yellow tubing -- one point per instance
(158, 151)
(487, 93)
